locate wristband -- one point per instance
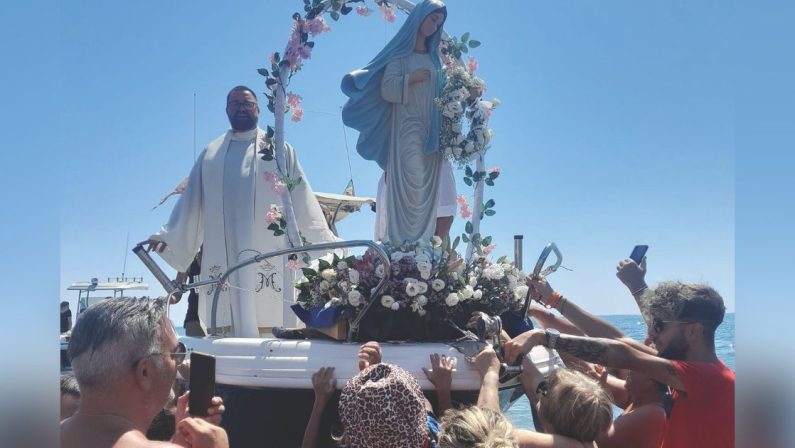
(639, 290)
(553, 302)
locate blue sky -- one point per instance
(615, 129)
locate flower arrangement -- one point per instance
(427, 285)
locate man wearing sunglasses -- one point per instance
(125, 355)
(233, 205)
(684, 317)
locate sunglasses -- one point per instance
(658, 325)
(178, 355)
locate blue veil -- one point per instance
(371, 115)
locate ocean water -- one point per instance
(634, 326)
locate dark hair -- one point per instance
(688, 302)
(69, 385)
(239, 88)
(65, 303)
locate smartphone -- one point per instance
(638, 252)
(202, 383)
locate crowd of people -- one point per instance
(674, 390)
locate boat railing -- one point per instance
(172, 287)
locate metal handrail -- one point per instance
(354, 326)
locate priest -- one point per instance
(231, 198)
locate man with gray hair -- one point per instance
(124, 354)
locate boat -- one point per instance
(111, 288)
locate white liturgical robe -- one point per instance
(224, 208)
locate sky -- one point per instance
(614, 129)
(667, 123)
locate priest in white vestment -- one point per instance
(229, 193)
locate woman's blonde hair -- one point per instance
(476, 427)
(576, 406)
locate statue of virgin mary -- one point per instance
(391, 104)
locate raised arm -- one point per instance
(325, 384)
(607, 352)
(488, 365)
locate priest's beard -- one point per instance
(242, 121)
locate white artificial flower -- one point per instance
(354, 298)
(520, 292)
(387, 301)
(422, 287)
(353, 275)
(495, 102)
(467, 292)
(494, 272)
(324, 286)
(477, 294)
(425, 269)
(437, 284)
(436, 241)
(421, 300)
(379, 271)
(395, 306)
(328, 275)
(421, 312)
(412, 289)
(342, 265)
(454, 274)
(452, 299)
(457, 151)
(473, 280)
(470, 147)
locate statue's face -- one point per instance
(431, 23)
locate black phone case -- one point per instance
(202, 383)
(638, 252)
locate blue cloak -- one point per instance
(371, 115)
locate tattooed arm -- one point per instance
(607, 352)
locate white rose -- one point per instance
(422, 300)
(473, 280)
(436, 241)
(328, 275)
(342, 265)
(379, 271)
(412, 289)
(477, 294)
(395, 306)
(437, 284)
(422, 287)
(387, 301)
(452, 299)
(494, 272)
(425, 274)
(354, 298)
(457, 151)
(353, 274)
(467, 292)
(520, 292)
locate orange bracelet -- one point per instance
(555, 299)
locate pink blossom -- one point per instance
(472, 64)
(494, 169)
(462, 200)
(363, 11)
(487, 250)
(316, 26)
(294, 100)
(294, 265)
(389, 13)
(465, 212)
(278, 187)
(269, 176)
(298, 114)
(273, 214)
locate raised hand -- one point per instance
(441, 373)
(540, 289)
(154, 245)
(486, 361)
(522, 344)
(369, 354)
(632, 275)
(214, 412)
(324, 383)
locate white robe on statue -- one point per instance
(224, 208)
(412, 176)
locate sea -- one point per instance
(634, 326)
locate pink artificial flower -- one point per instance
(465, 212)
(273, 214)
(316, 26)
(462, 200)
(269, 176)
(494, 169)
(298, 114)
(472, 64)
(278, 187)
(389, 13)
(292, 57)
(294, 265)
(487, 250)
(363, 11)
(294, 100)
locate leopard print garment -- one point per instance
(383, 406)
